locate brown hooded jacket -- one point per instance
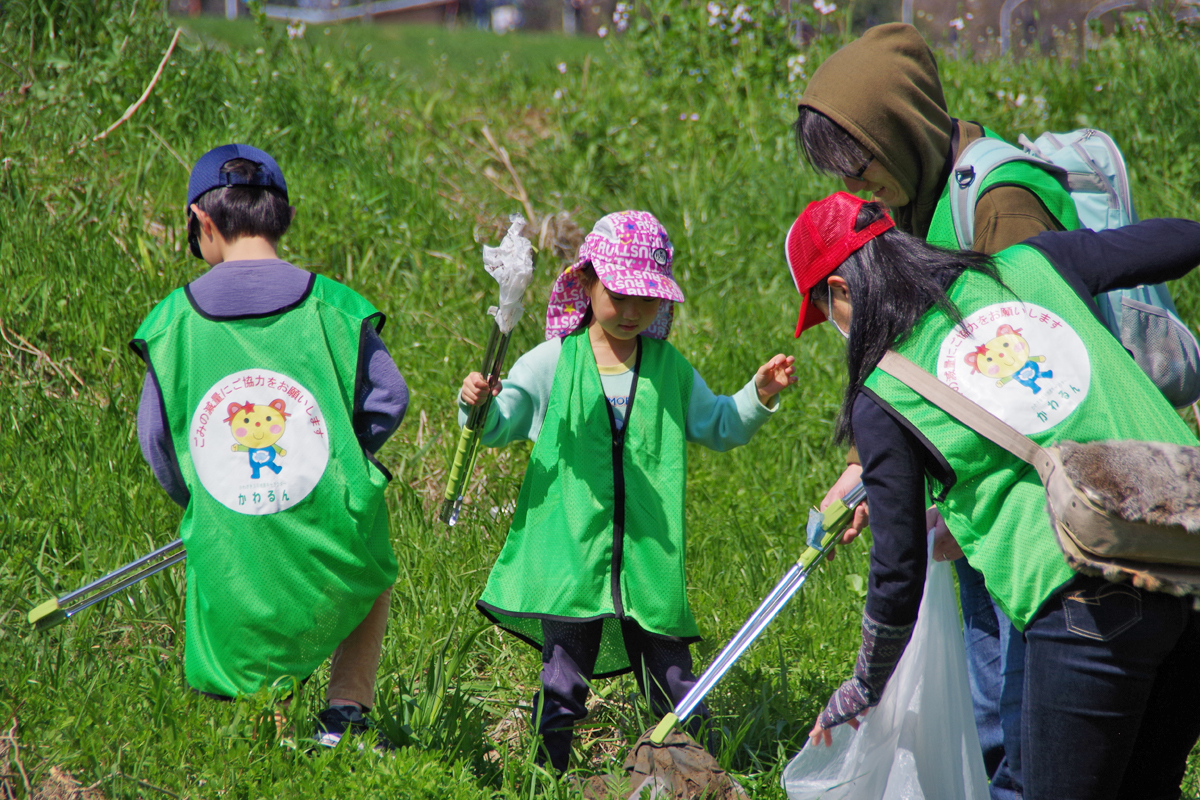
(884, 90)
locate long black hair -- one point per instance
(825, 145)
(893, 280)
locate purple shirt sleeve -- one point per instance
(382, 397)
(155, 440)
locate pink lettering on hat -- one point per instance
(631, 254)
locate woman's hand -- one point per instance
(851, 477)
(823, 736)
(774, 376)
(945, 546)
(475, 388)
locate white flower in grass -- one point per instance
(296, 31)
(562, 67)
(602, 32)
(957, 23)
(695, 117)
(824, 7)
(558, 94)
(621, 16)
(795, 65)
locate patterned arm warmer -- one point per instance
(882, 646)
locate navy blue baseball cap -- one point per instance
(207, 175)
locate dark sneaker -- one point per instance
(337, 721)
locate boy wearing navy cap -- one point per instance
(267, 393)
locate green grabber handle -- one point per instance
(834, 521)
(472, 432)
(460, 472)
(460, 458)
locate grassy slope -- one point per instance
(389, 176)
(418, 49)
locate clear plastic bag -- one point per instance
(920, 742)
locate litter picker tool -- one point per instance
(824, 529)
(668, 760)
(511, 264)
(57, 610)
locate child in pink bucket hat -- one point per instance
(631, 254)
(592, 571)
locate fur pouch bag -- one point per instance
(1126, 510)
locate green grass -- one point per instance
(392, 178)
(423, 50)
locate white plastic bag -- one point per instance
(920, 742)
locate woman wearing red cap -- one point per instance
(1112, 707)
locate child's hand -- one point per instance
(475, 388)
(774, 376)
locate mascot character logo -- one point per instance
(1007, 358)
(257, 428)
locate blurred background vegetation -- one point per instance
(405, 149)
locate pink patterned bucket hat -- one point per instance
(631, 254)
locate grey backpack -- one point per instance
(1090, 165)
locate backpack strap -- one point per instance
(971, 170)
(1092, 180)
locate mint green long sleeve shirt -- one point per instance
(719, 422)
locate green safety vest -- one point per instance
(286, 530)
(1015, 173)
(598, 532)
(1044, 364)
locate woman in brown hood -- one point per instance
(875, 115)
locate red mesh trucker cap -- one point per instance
(820, 240)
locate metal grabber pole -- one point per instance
(824, 529)
(57, 610)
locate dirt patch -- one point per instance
(58, 784)
(507, 734)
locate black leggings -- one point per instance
(663, 669)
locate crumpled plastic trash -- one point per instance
(511, 264)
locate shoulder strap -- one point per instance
(976, 161)
(966, 411)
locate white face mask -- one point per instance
(846, 334)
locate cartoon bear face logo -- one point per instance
(1002, 356)
(1007, 358)
(257, 426)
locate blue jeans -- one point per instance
(995, 671)
(1112, 693)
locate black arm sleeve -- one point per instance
(894, 464)
(1094, 262)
